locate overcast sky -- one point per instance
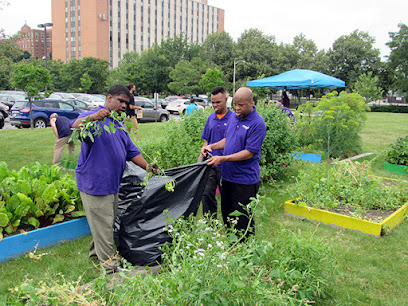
(323, 21)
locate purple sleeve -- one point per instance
(256, 138)
(132, 150)
(205, 135)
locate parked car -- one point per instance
(82, 104)
(61, 95)
(1, 121)
(150, 112)
(171, 98)
(10, 99)
(4, 110)
(180, 106)
(42, 109)
(96, 100)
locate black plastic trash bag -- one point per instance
(140, 223)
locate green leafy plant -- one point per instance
(91, 129)
(349, 185)
(36, 195)
(332, 125)
(207, 265)
(181, 142)
(280, 141)
(398, 153)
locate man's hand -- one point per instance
(205, 149)
(216, 160)
(102, 113)
(153, 168)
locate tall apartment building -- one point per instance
(106, 29)
(32, 40)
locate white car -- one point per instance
(95, 100)
(180, 106)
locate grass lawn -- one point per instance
(372, 270)
(20, 147)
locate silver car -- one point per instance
(150, 112)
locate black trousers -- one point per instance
(208, 199)
(231, 195)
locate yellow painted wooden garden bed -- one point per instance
(330, 218)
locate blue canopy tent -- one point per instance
(298, 79)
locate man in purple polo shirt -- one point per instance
(242, 149)
(213, 132)
(99, 172)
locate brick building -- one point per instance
(32, 40)
(106, 29)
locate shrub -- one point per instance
(393, 108)
(182, 142)
(280, 141)
(335, 125)
(204, 265)
(398, 153)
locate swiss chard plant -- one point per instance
(398, 153)
(36, 195)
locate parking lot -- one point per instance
(8, 126)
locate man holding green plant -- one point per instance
(101, 164)
(240, 169)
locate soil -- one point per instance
(23, 228)
(370, 215)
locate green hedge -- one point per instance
(182, 142)
(393, 108)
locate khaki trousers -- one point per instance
(59, 148)
(101, 214)
(135, 128)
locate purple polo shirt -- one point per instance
(214, 130)
(101, 163)
(63, 126)
(244, 134)
(289, 112)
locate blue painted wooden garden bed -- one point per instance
(17, 245)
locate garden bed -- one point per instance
(340, 219)
(349, 196)
(16, 245)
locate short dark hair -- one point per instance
(117, 90)
(130, 86)
(218, 89)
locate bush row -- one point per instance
(393, 108)
(181, 142)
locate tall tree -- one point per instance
(97, 70)
(32, 79)
(306, 49)
(222, 45)
(353, 55)
(211, 79)
(155, 68)
(177, 48)
(398, 58)
(367, 87)
(259, 52)
(186, 76)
